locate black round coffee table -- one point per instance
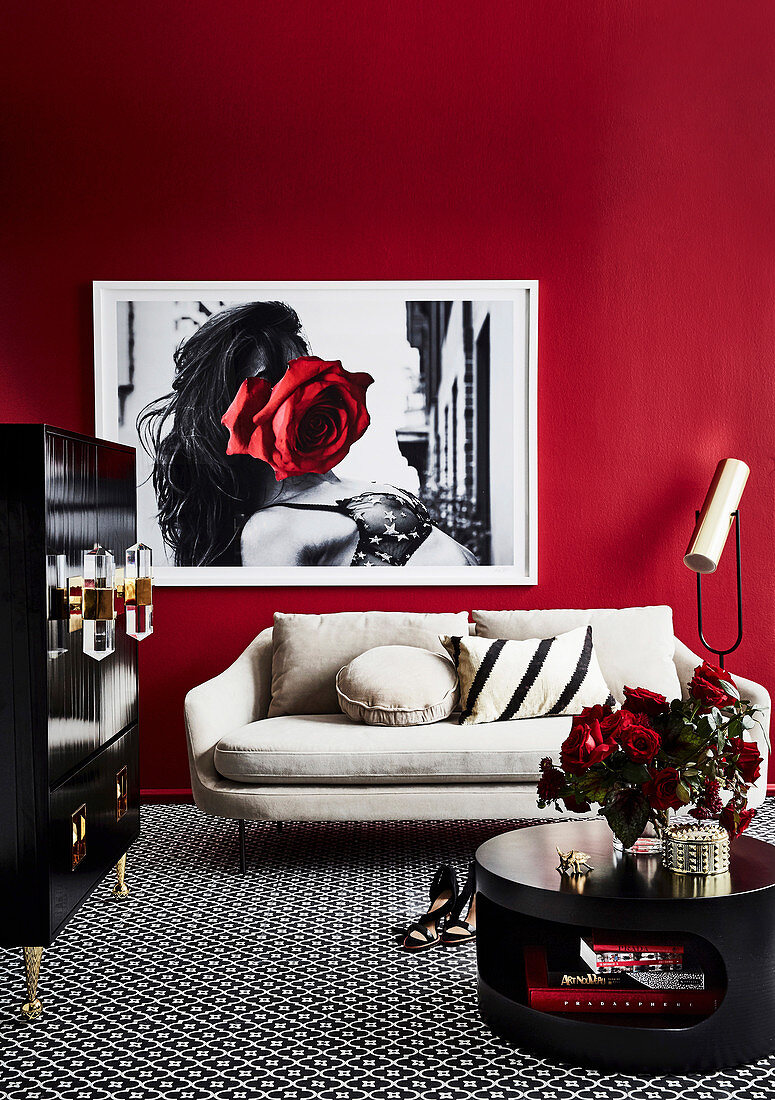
(527, 911)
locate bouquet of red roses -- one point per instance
(649, 757)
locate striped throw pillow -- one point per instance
(501, 680)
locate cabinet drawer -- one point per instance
(93, 818)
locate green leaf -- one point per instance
(627, 814)
(635, 774)
(594, 785)
(683, 792)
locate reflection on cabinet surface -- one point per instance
(68, 723)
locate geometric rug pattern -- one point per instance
(285, 983)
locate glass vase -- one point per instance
(649, 843)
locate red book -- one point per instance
(536, 974)
(634, 964)
(644, 948)
(690, 1002)
(598, 960)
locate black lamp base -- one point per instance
(722, 653)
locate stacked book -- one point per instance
(639, 961)
(620, 977)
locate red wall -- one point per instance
(619, 152)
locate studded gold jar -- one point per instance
(696, 848)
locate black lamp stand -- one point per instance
(722, 653)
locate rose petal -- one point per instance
(238, 418)
(303, 370)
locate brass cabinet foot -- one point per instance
(32, 1008)
(121, 890)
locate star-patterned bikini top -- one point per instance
(390, 525)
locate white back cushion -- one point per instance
(634, 645)
(309, 650)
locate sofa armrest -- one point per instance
(236, 697)
(686, 662)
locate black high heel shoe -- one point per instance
(425, 931)
(458, 929)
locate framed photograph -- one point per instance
(326, 433)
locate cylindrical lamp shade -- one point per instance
(715, 519)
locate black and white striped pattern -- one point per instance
(501, 680)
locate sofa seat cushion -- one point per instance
(330, 749)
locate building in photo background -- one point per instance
(459, 430)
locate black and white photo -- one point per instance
(335, 433)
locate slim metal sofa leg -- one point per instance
(243, 863)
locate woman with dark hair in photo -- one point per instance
(244, 449)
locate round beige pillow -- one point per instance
(397, 685)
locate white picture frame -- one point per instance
(111, 300)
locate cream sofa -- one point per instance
(245, 766)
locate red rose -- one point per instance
(662, 790)
(713, 687)
(641, 701)
(599, 711)
(611, 725)
(306, 423)
(616, 725)
(584, 746)
(735, 820)
(640, 742)
(749, 761)
(575, 805)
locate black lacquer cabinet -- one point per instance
(69, 770)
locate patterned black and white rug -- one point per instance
(285, 983)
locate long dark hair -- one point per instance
(203, 495)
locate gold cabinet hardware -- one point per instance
(79, 836)
(99, 603)
(139, 591)
(122, 792)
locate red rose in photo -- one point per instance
(584, 746)
(306, 423)
(640, 742)
(662, 790)
(735, 821)
(749, 760)
(641, 701)
(713, 687)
